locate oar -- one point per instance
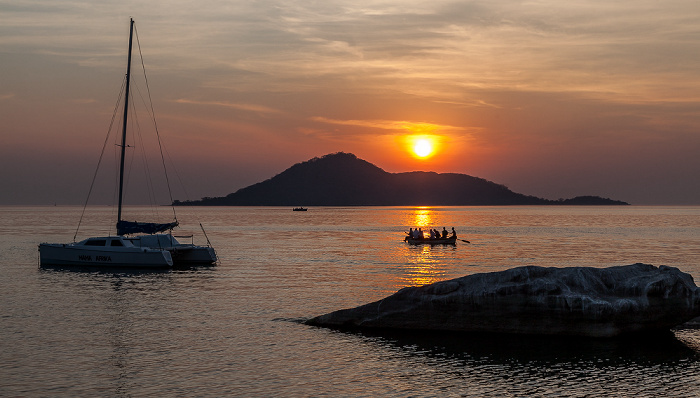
(465, 241)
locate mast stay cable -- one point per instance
(155, 124)
(99, 162)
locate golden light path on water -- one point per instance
(423, 217)
(426, 268)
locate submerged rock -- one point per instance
(583, 301)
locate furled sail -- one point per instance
(133, 227)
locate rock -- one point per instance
(583, 301)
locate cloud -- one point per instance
(239, 106)
(393, 125)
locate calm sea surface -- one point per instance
(233, 329)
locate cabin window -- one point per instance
(96, 242)
(117, 243)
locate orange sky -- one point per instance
(550, 99)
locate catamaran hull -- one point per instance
(198, 255)
(183, 254)
(69, 255)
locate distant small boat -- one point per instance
(439, 241)
(299, 209)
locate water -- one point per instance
(233, 330)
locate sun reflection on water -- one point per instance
(423, 217)
(423, 264)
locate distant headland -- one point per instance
(342, 179)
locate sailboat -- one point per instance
(150, 248)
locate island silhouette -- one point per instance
(343, 179)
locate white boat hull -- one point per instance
(76, 255)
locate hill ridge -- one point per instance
(343, 179)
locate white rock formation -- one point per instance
(600, 302)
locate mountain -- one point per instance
(342, 179)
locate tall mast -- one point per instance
(126, 113)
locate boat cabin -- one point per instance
(110, 241)
(157, 241)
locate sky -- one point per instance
(552, 99)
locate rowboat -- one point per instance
(424, 241)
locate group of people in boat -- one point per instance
(434, 234)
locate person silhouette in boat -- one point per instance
(444, 233)
(454, 233)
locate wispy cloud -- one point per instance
(393, 125)
(239, 106)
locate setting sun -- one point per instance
(423, 148)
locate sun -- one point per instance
(423, 148)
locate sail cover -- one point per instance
(133, 227)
